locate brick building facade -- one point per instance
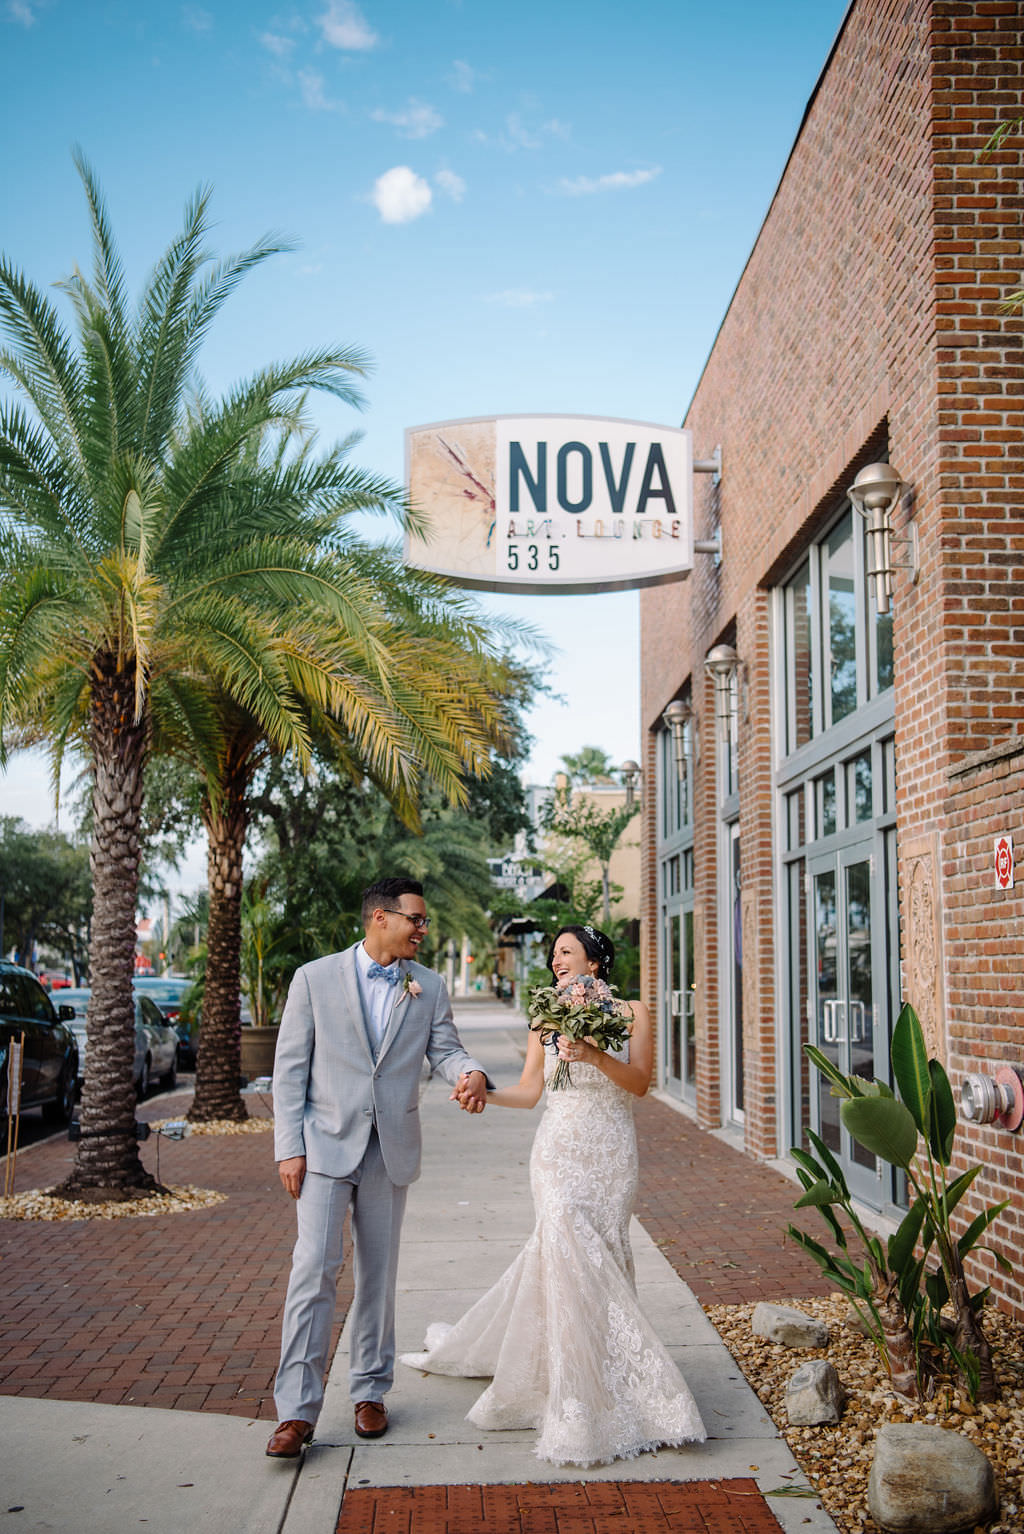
(825, 849)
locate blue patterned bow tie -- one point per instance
(388, 972)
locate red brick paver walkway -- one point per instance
(178, 1310)
(719, 1216)
(184, 1311)
(598, 1507)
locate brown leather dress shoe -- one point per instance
(288, 1438)
(371, 1419)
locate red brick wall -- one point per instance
(979, 256)
(867, 318)
(985, 981)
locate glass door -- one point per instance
(844, 1012)
(733, 989)
(680, 1063)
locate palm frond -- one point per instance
(43, 361)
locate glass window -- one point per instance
(840, 621)
(888, 775)
(825, 804)
(883, 650)
(795, 820)
(859, 796)
(32, 1000)
(8, 995)
(676, 779)
(799, 670)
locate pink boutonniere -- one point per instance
(411, 987)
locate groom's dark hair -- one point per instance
(385, 892)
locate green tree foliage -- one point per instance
(590, 764)
(132, 561)
(598, 830)
(46, 894)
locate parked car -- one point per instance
(50, 1061)
(156, 1040)
(167, 991)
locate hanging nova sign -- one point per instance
(552, 503)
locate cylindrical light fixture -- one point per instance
(875, 494)
(675, 719)
(721, 664)
(630, 773)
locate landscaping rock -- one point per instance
(928, 1480)
(814, 1394)
(792, 1328)
(855, 1321)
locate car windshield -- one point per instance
(162, 990)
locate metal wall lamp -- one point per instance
(630, 773)
(675, 719)
(875, 494)
(721, 664)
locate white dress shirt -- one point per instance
(377, 995)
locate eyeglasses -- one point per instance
(421, 923)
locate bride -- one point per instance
(561, 1334)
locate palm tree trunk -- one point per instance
(900, 1351)
(219, 1058)
(107, 1163)
(969, 1336)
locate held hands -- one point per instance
(471, 1092)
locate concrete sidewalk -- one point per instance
(80, 1467)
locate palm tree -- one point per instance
(405, 688)
(130, 564)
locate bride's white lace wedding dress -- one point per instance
(561, 1334)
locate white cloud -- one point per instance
(463, 76)
(451, 184)
(279, 46)
(195, 17)
(518, 298)
(418, 120)
(400, 195)
(311, 84)
(19, 10)
(520, 134)
(584, 186)
(344, 26)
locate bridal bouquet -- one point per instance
(584, 1009)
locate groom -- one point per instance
(355, 1030)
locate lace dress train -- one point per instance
(561, 1335)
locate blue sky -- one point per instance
(524, 207)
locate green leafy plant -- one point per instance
(916, 1133)
(884, 1287)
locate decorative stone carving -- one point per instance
(923, 939)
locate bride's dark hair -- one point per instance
(596, 946)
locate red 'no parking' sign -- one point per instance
(1004, 862)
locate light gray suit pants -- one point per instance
(377, 1208)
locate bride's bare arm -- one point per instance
(633, 1076)
(526, 1094)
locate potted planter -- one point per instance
(258, 1046)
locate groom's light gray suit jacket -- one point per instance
(330, 1090)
